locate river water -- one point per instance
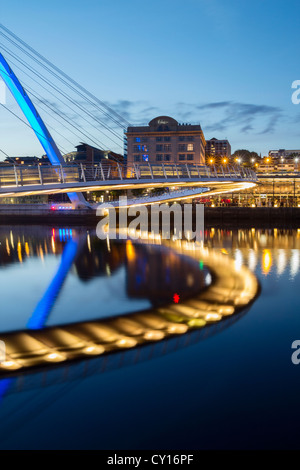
(233, 388)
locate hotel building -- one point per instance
(164, 140)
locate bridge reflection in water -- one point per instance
(216, 292)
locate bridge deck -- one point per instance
(21, 180)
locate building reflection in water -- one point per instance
(261, 250)
(155, 273)
(189, 286)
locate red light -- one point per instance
(176, 298)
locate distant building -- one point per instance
(217, 151)
(278, 164)
(164, 140)
(282, 153)
(44, 160)
(85, 153)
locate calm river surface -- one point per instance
(235, 388)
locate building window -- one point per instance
(181, 147)
(158, 139)
(167, 147)
(167, 157)
(137, 139)
(190, 147)
(146, 158)
(167, 138)
(144, 148)
(190, 156)
(137, 158)
(144, 139)
(137, 148)
(159, 157)
(159, 148)
(190, 138)
(181, 138)
(181, 156)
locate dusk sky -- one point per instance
(228, 65)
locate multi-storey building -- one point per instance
(164, 140)
(217, 151)
(87, 154)
(282, 153)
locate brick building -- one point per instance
(164, 140)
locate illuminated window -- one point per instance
(137, 139)
(190, 147)
(137, 148)
(146, 158)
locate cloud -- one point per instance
(222, 115)
(217, 118)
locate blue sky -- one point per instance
(227, 64)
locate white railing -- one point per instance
(21, 175)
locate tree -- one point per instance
(244, 157)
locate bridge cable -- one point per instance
(42, 100)
(84, 90)
(65, 83)
(59, 91)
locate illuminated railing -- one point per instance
(21, 175)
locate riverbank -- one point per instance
(267, 217)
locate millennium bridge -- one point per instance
(21, 180)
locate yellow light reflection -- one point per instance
(53, 244)
(130, 251)
(19, 250)
(7, 247)
(89, 242)
(26, 248)
(266, 261)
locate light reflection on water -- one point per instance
(53, 276)
(265, 252)
(235, 389)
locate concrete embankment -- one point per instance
(252, 216)
(214, 216)
(43, 214)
